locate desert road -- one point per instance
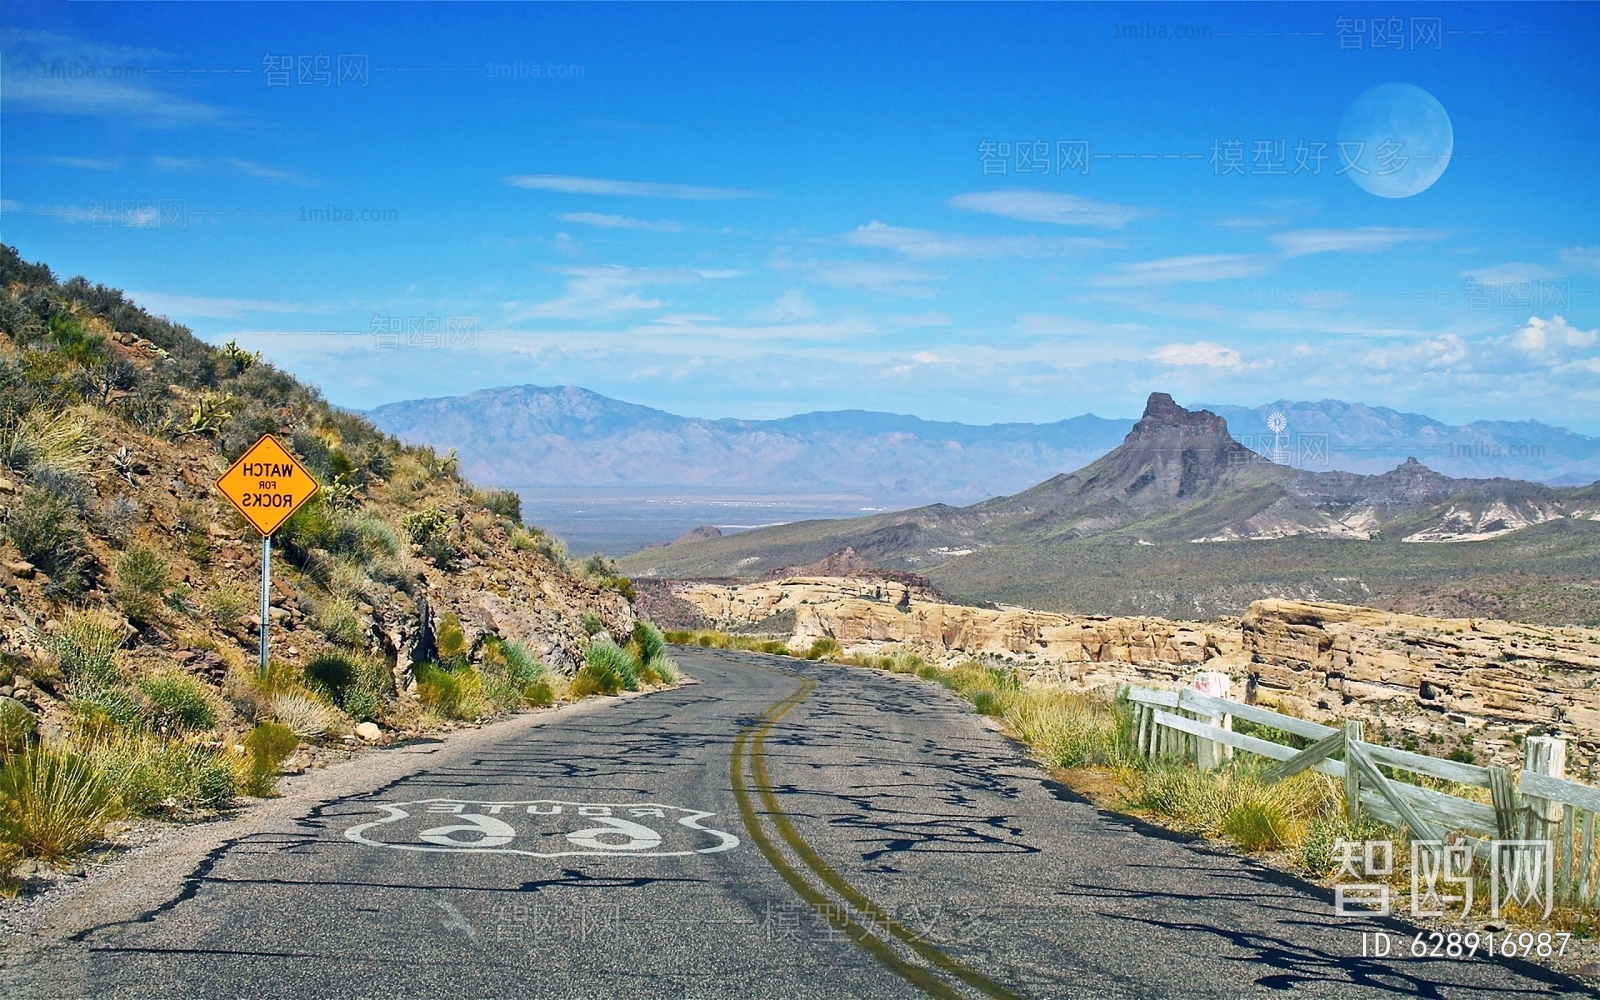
(780, 829)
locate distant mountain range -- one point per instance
(531, 438)
(1177, 479)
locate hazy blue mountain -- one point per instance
(1374, 439)
(531, 437)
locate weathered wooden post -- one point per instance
(1352, 774)
(1543, 755)
(1209, 754)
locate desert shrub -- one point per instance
(450, 639)
(86, 646)
(540, 693)
(1235, 803)
(308, 717)
(154, 775)
(452, 694)
(333, 673)
(1068, 729)
(142, 581)
(54, 803)
(678, 637)
(338, 619)
(267, 747)
(48, 440)
(607, 668)
(621, 585)
(651, 645)
(524, 666)
(176, 702)
(227, 604)
(510, 672)
(422, 525)
(372, 691)
(991, 690)
(1257, 826)
(538, 540)
(503, 503)
(45, 529)
(192, 525)
(119, 518)
(591, 623)
(101, 710)
(774, 646)
(823, 648)
(17, 727)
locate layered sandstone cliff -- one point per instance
(1440, 684)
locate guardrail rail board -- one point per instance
(1539, 803)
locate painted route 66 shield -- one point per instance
(543, 828)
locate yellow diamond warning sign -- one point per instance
(267, 484)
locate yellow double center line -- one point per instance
(751, 744)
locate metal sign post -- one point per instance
(266, 594)
(267, 485)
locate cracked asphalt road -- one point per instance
(780, 829)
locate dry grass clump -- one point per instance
(54, 803)
(306, 715)
(1235, 804)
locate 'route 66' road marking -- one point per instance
(543, 828)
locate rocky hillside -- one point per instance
(114, 424)
(1470, 685)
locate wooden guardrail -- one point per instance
(1536, 804)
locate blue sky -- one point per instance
(759, 210)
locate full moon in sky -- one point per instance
(1399, 138)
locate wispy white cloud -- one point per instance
(920, 320)
(1196, 267)
(75, 162)
(613, 292)
(633, 189)
(884, 277)
(925, 244)
(182, 307)
(1046, 325)
(1511, 270)
(790, 306)
(93, 79)
(1201, 353)
(1582, 258)
(602, 221)
(1047, 206)
(231, 165)
(1366, 239)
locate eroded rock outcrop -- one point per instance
(1439, 684)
